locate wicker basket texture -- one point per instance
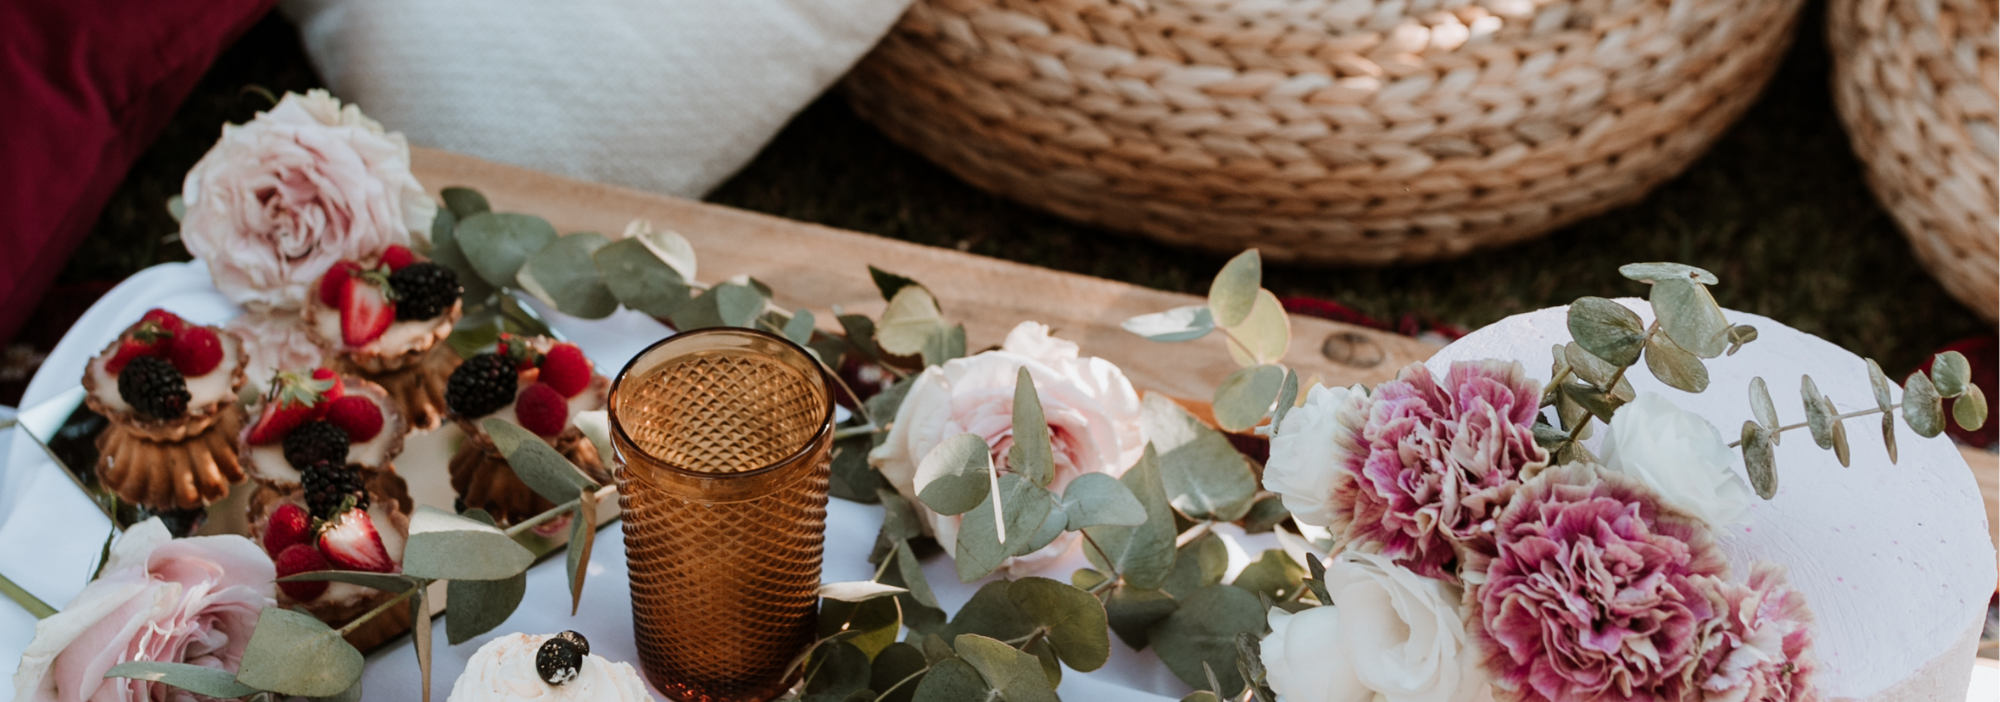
(1918, 84)
(1336, 131)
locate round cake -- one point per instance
(1894, 559)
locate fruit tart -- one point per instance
(169, 390)
(538, 384)
(321, 416)
(340, 517)
(386, 320)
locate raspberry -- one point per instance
(398, 257)
(357, 415)
(424, 290)
(481, 385)
(328, 485)
(169, 321)
(315, 442)
(154, 387)
(301, 558)
(542, 410)
(195, 351)
(565, 368)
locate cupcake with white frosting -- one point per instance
(550, 668)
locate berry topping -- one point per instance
(147, 338)
(294, 400)
(519, 351)
(357, 415)
(335, 389)
(566, 368)
(296, 559)
(316, 441)
(329, 487)
(582, 644)
(424, 290)
(559, 661)
(333, 285)
(398, 257)
(195, 351)
(542, 410)
(288, 526)
(153, 387)
(479, 386)
(350, 543)
(365, 310)
(169, 321)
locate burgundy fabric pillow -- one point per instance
(85, 87)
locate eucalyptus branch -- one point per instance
(1108, 564)
(899, 683)
(555, 512)
(25, 599)
(1836, 418)
(384, 607)
(1609, 386)
(862, 430)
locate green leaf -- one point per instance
(1177, 324)
(1265, 514)
(1880, 382)
(1201, 562)
(984, 543)
(1235, 288)
(890, 283)
(860, 333)
(871, 624)
(899, 519)
(1317, 580)
(1045, 654)
(293, 653)
(912, 572)
(201, 680)
(1201, 696)
(800, 329)
(464, 202)
(582, 538)
(477, 606)
(1144, 554)
(1031, 455)
(1970, 408)
(1759, 460)
(446, 251)
(1264, 336)
(1132, 612)
(1951, 374)
(1840, 443)
(838, 669)
(1288, 399)
(990, 612)
(1689, 316)
(1052, 527)
(639, 279)
(1674, 366)
(1762, 408)
(725, 305)
(1095, 499)
(1088, 579)
(499, 243)
(1075, 621)
(1888, 437)
(951, 680)
(564, 276)
(1607, 330)
(1923, 409)
(1245, 397)
(444, 546)
(1250, 663)
(884, 405)
(1204, 475)
(1819, 412)
(353, 694)
(853, 479)
(1204, 630)
(894, 664)
(1655, 272)
(536, 463)
(1016, 674)
(1739, 335)
(944, 346)
(1273, 575)
(1595, 371)
(420, 636)
(669, 247)
(910, 321)
(956, 475)
(386, 582)
(857, 590)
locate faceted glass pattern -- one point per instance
(723, 440)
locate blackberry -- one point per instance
(318, 440)
(582, 644)
(558, 661)
(482, 384)
(327, 484)
(154, 387)
(424, 290)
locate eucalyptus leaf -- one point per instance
(952, 680)
(1762, 408)
(983, 543)
(1969, 410)
(1203, 630)
(893, 665)
(871, 624)
(1600, 403)
(535, 462)
(177, 208)
(1888, 436)
(912, 572)
(1132, 612)
(668, 247)
(1200, 562)
(1739, 335)
(944, 346)
(1265, 514)
(1177, 324)
(1819, 413)
(1759, 460)
(838, 669)
(582, 538)
(853, 479)
(351, 694)
(294, 653)
(857, 590)
(1143, 554)
(1264, 336)
(568, 275)
(1655, 272)
(1674, 366)
(910, 321)
(1689, 316)
(420, 636)
(1016, 674)
(800, 329)
(1052, 527)
(201, 680)
(499, 243)
(639, 279)
(1205, 477)
(1074, 620)
(386, 582)
(1588, 366)
(890, 283)
(1032, 455)
(991, 612)
(1923, 409)
(464, 202)
(1840, 444)
(1097, 499)
(477, 606)
(1201, 696)
(1951, 374)
(1879, 381)
(1607, 330)
(1250, 662)
(899, 520)
(1245, 397)
(955, 476)
(725, 305)
(1235, 288)
(1288, 399)
(445, 546)
(860, 332)
(1088, 579)
(1316, 580)
(1273, 575)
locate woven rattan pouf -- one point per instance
(1346, 131)
(1918, 84)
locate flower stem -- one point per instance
(1837, 418)
(26, 600)
(384, 607)
(556, 511)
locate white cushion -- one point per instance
(671, 96)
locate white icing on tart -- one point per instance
(206, 389)
(267, 461)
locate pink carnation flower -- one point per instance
(1597, 592)
(1439, 462)
(1759, 647)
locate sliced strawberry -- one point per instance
(350, 542)
(294, 400)
(195, 351)
(146, 339)
(364, 313)
(301, 558)
(566, 368)
(288, 526)
(396, 257)
(357, 415)
(542, 410)
(333, 285)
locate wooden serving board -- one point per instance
(818, 267)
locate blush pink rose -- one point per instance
(1092, 411)
(190, 601)
(281, 198)
(273, 342)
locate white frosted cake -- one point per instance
(1894, 559)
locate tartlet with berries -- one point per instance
(538, 384)
(386, 320)
(340, 517)
(320, 417)
(169, 390)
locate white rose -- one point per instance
(1092, 411)
(1391, 635)
(1312, 445)
(1679, 455)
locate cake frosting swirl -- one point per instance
(504, 669)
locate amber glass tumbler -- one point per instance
(722, 441)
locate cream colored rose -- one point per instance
(1391, 635)
(1679, 455)
(503, 670)
(281, 198)
(1092, 411)
(1312, 446)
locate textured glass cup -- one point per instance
(723, 440)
